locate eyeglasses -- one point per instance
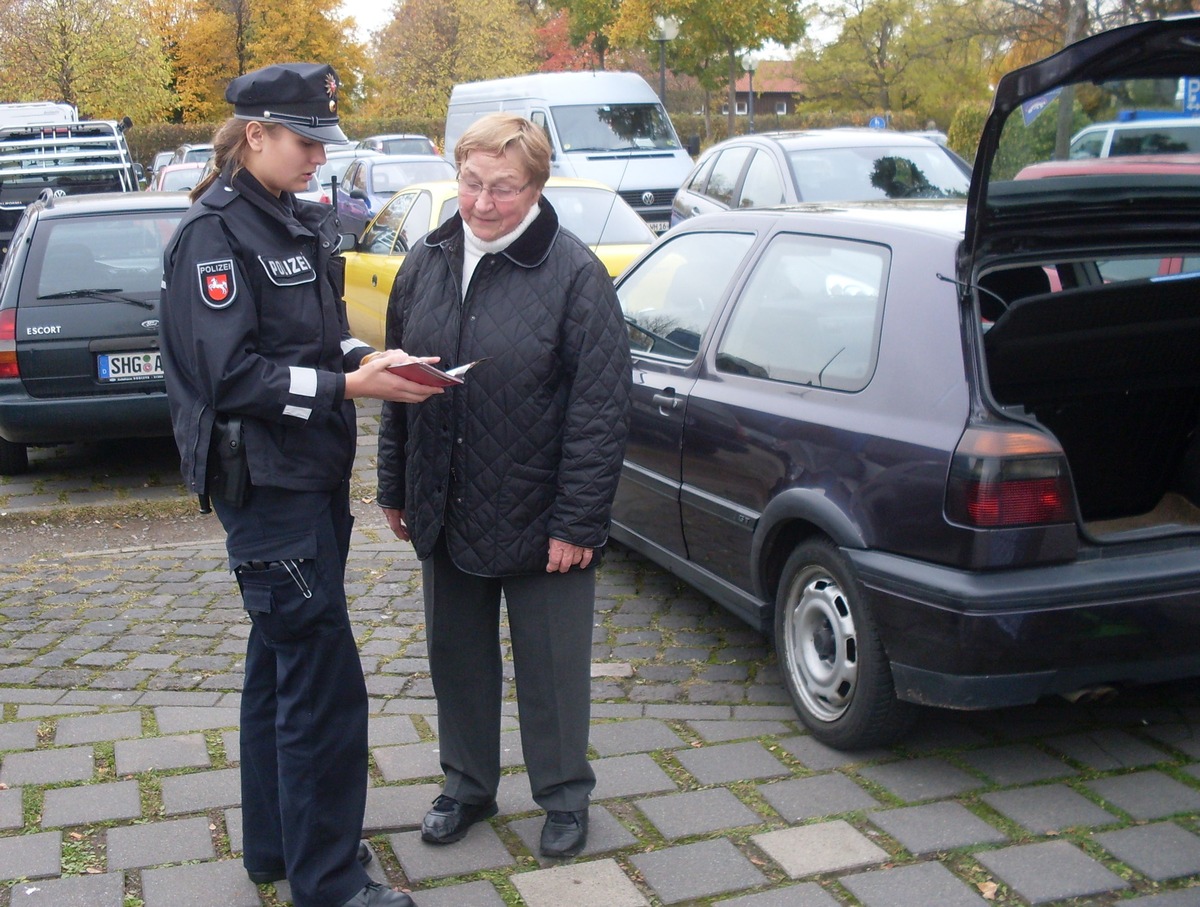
(472, 189)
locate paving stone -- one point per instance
(817, 756)
(1017, 763)
(629, 776)
(806, 894)
(605, 834)
(91, 803)
(54, 766)
(1188, 898)
(514, 796)
(480, 850)
(398, 808)
(699, 870)
(390, 730)
(169, 841)
(641, 735)
(826, 847)
(912, 886)
(732, 762)
(1050, 871)
(408, 762)
(233, 827)
(12, 813)
(1107, 749)
(921, 779)
(31, 856)
(204, 885)
(815, 796)
(1182, 737)
(720, 731)
(595, 883)
(106, 890)
(19, 735)
(201, 791)
(1047, 808)
(173, 719)
(697, 812)
(97, 728)
(1148, 795)
(936, 827)
(471, 894)
(156, 753)
(1160, 851)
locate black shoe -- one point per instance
(565, 833)
(375, 895)
(267, 876)
(449, 820)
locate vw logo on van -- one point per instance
(647, 198)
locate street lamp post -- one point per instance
(666, 29)
(750, 64)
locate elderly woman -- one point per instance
(504, 485)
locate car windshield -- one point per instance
(614, 127)
(597, 216)
(411, 145)
(865, 172)
(179, 180)
(115, 256)
(392, 176)
(334, 166)
(197, 155)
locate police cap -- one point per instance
(300, 96)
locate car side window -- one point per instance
(381, 235)
(358, 180)
(670, 298)
(809, 314)
(763, 184)
(416, 224)
(700, 178)
(725, 174)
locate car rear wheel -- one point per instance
(830, 654)
(14, 458)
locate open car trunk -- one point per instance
(1113, 371)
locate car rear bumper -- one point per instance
(29, 420)
(959, 639)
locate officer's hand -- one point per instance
(564, 556)
(395, 521)
(372, 379)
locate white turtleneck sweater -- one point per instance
(475, 248)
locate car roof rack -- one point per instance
(63, 152)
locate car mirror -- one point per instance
(346, 242)
(359, 194)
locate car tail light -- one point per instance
(8, 344)
(1008, 476)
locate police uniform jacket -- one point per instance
(530, 447)
(253, 324)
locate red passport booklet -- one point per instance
(424, 373)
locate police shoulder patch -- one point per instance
(218, 285)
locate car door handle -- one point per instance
(374, 280)
(665, 402)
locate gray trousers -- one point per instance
(550, 626)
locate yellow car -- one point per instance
(590, 210)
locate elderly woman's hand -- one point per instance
(564, 556)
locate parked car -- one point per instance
(337, 161)
(161, 159)
(370, 181)
(79, 350)
(819, 165)
(192, 152)
(1138, 136)
(591, 210)
(876, 431)
(177, 177)
(399, 143)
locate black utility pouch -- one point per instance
(228, 476)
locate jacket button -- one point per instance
(458, 440)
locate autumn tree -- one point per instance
(714, 35)
(430, 45)
(95, 54)
(588, 24)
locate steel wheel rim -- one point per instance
(821, 645)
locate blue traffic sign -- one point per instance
(877, 122)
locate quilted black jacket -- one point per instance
(530, 448)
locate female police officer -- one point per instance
(254, 334)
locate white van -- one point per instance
(1168, 135)
(37, 113)
(606, 126)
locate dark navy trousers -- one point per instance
(304, 700)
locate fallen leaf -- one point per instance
(988, 890)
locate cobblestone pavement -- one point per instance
(119, 679)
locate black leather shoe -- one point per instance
(375, 895)
(267, 876)
(565, 833)
(449, 820)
